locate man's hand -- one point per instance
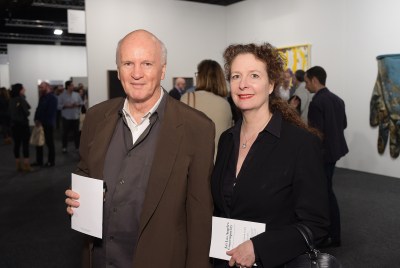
(71, 201)
(294, 102)
(243, 255)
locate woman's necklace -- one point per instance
(244, 144)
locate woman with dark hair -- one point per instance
(269, 165)
(210, 96)
(19, 112)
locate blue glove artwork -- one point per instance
(385, 103)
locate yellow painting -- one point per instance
(298, 57)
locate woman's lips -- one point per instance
(245, 96)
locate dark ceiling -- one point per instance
(33, 21)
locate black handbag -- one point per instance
(313, 258)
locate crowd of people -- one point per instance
(264, 152)
(58, 108)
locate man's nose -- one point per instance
(137, 72)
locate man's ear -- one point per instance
(314, 81)
(164, 69)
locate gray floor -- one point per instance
(370, 211)
(35, 230)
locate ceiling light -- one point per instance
(58, 32)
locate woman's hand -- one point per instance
(243, 255)
(71, 201)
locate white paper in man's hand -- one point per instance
(229, 233)
(88, 217)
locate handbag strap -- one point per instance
(317, 258)
(307, 235)
(194, 99)
(188, 99)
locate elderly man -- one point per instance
(179, 88)
(158, 205)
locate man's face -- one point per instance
(181, 84)
(295, 82)
(140, 67)
(286, 79)
(42, 87)
(71, 87)
(309, 84)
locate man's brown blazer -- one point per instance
(175, 224)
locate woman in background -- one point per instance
(19, 112)
(210, 96)
(268, 167)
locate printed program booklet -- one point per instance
(229, 233)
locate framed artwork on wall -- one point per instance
(298, 56)
(115, 88)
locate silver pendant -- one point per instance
(244, 145)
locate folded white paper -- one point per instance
(229, 233)
(88, 217)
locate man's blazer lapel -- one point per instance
(104, 131)
(165, 156)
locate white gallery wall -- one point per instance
(345, 37)
(30, 63)
(4, 76)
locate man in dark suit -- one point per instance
(45, 115)
(327, 113)
(179, 88)
(158, 205)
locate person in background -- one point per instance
(45, 116)
(210, 96)
(58, 90)
(84, 96)
(155, 155)
(284, 89)
(268, 167)
(302, 97)
(85, 105)
(327, 113)
(19, 113)
(5, 115)
(179, 88)
(79, 88)
(70, 104)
